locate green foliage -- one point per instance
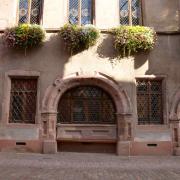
(132, 39)
(24, 36)
(78, 38)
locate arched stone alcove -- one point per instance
(61, 85)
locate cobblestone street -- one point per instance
(85, 166)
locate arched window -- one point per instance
(30, 11)
(81, 12)
(130, 12)
(86, 105)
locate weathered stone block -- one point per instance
(123, 148)
(49, 147)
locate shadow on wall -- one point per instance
(14, 53)
(57, 47)
(140, 59)
(52, 42)
(164, 59)
(106, 48)
(51, 50)
(49, 59)
(152, 56)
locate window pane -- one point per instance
(23, 11)
(65, 116)
(94, 110)
(124, 13)
(86, 105)
(149, 101)
(34, 8)
(78, 110)
(23, 100)
(156, 87)
(17, 107)
(86, 12)
(156, 102)
(142, 86)
(156, 111)
(135, 12)
(73, 11)
(35, 11)
(143, 108)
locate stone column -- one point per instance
(48, 132)
(123, 134)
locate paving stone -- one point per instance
(87, 166)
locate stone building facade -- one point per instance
(126, 122)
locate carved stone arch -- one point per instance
(175, 107)
(61, 85)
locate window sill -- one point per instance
(86, 125)
(56, 30)
(21, 125)
(153, 127)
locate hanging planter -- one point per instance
(24, 36)
(132, 39)
(79, 38)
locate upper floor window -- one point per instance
(149, 101)
(130, 12)
(23, 100)
(30, 11)
(81, 12)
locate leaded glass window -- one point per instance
(81, 12)
(23, 100)
(130, 12)
(29, 11)
(86, 105)
(149, 101)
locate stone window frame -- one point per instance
(40, 13)
(61, 84)
(165, 115)
(23, 100)
(141, 4)
(79, 12)
(7, 95)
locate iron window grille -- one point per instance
(86, 105)
(149, 101)
(23, 100)
(81, 12)
(30, 11)
(130, 12)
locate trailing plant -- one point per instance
(24, 36)
(132, 39)
(78, 38)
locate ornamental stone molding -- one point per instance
(61, 85)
